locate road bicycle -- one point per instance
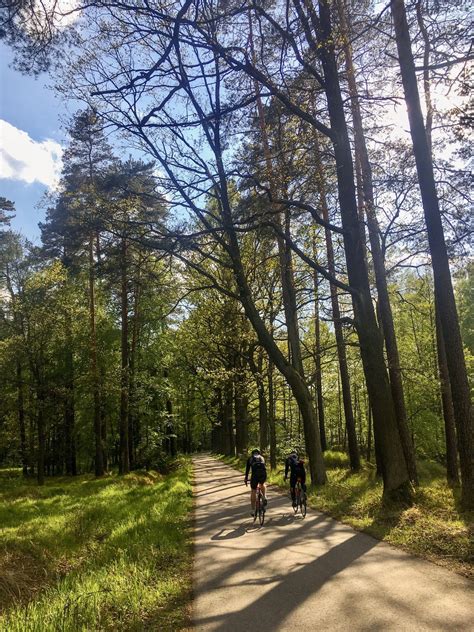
(300, 498)
(259, 505)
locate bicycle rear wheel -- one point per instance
(303, 504)
(255, 513)
(297, 498)
(261, 512)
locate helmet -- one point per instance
(255, 451)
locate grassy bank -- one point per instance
(86, 554)
(433, 527)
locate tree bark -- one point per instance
(354, 456)
(448, 411)
(99, 463)
(132, 412)
(69, 413)
(439, 257)
(21, 418)
(271, 416)
(369, 431)
(241, 411)
(304, 399)
(317, 356)
(41, 427)
(124, 464)
(362, 157)
(228, 424)
(445, 385)
(395, 474)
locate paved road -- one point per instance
(311, 574)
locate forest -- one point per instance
(261, 237)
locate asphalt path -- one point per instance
(308, 574)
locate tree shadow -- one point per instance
(291, 589)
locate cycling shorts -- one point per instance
(255, 480)
(293, 479)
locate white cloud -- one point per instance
(22, 158)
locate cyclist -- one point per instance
(256, 467)
(295, 466)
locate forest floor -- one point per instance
(433, 528)
(84, 554)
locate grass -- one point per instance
(432, 527)
(85, 554)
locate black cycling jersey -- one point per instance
(296, 468)
(256, 463)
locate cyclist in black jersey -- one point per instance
(258, 474)
(295, 466)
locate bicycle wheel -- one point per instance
(297, 498)
(303, 504)
(261, 512)
(255, 513)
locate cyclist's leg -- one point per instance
(292, 489)
(253, 492)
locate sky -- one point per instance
(31, 140)
(32, 135)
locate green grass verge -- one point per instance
(432, 528)
(85, 554)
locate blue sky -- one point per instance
(31, 136)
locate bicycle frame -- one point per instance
(259, 504)
(300, 498)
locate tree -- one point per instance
(442, 278)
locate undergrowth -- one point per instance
(433, 527)
(86, 554)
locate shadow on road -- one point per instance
(252, 576)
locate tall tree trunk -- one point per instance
(229, 418)
(69, 413)
(317, 356)
(172, 442)
(17, 318)
(99, 462)
(294, 379)
(448, 411)
(362, 157)
(40, 422)
(21, 417)
(132, 412)
(304, 399)
(241, 410)
(354, 456)
(257, 370)
(262, 404)
(395, 473)
(271, 416)
(262, 416)
(297, 384)
(124, 466)
(445, 385)
(369, 431)
(69, 406)
(103, 424)
(224, 441)
(441, 273)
